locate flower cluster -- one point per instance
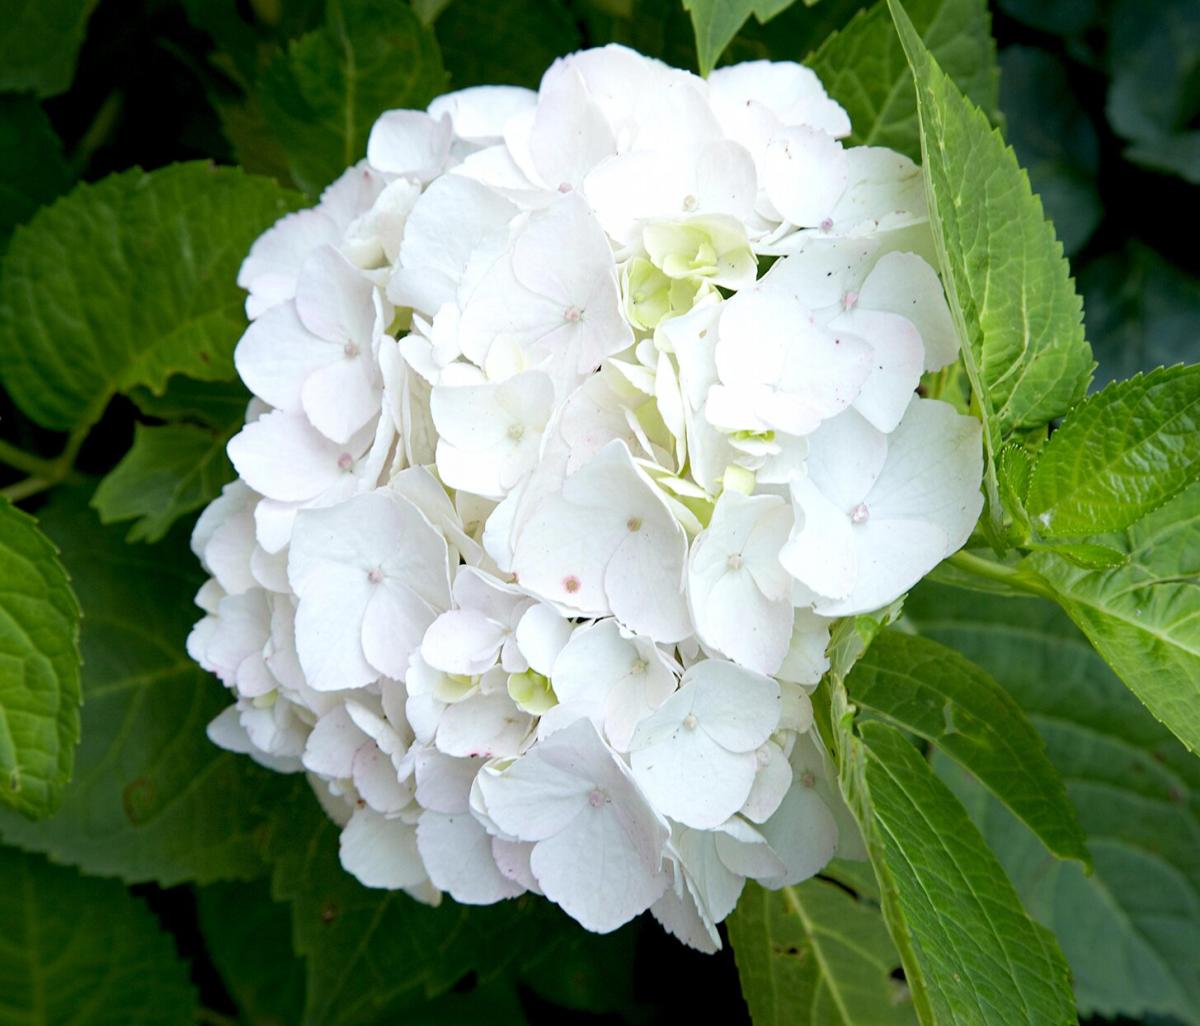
(579, 416)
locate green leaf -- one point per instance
(249, 938)
(371, 953)
(933, 692)
(716, 22)
(39, 41)
(1058, 17)
(322, 96)
(1130, 931)
(814, 955)
(1055, 141)
(656, 28)
(169, 471)
(863, 67)
(1120, 454)
(39, 668)
(126, 282)
(524, 37)
(152, 798)
(1144, 616)
(216, 404)
(587, 971)
(246, 35)
(85, 952)
(971, 954)
(1088, 555)
(1006, 280)
(1152, 98)
(33, 170)
(1142, 312)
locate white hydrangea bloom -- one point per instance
(550, 493)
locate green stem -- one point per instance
(24, 461)
(993, 571)
(23, 489)
(42, 473)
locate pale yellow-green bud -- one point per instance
(532, 692)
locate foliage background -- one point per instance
(1101, 100)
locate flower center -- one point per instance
(860, 514)
(350, 349)
(634, 523)
(734, 562)
(345, 461)
(375, 576)
(597, 798)
(572, 314)
(690, 721)
(516, 432)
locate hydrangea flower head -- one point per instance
(580, 415)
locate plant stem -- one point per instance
(24, 489)
(19, 459)
(993, 571)
(43, 473)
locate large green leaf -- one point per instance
(716, 22)
(373, 953)
(970, 952)
(39, 41)
(33, 170)
(814, 955)
(524, 37)
(126, 282)
(1056, 141)
(39, 668)
(1142, 312)
(170, 471)
(321, 97)
(1007, 283)
(1121, 454)
(1131, 930)
(152, 798)
(863, 67)
(935, 693)
(216, 404)
(1152, 98)
(81, 952)
(249, 939)
(1144, 617)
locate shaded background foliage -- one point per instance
(1100, 99)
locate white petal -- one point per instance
(541, 635)
(381, 852)
(283, 457)
(479, 114)
(771, 782)
(896, 365)
(409, 143)
(904, 284)
(377, 782)
(822, 552)
(332, 744)
(458, 852)
(463, 641)
(804, 174)
(276, 355)
(483, 725)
